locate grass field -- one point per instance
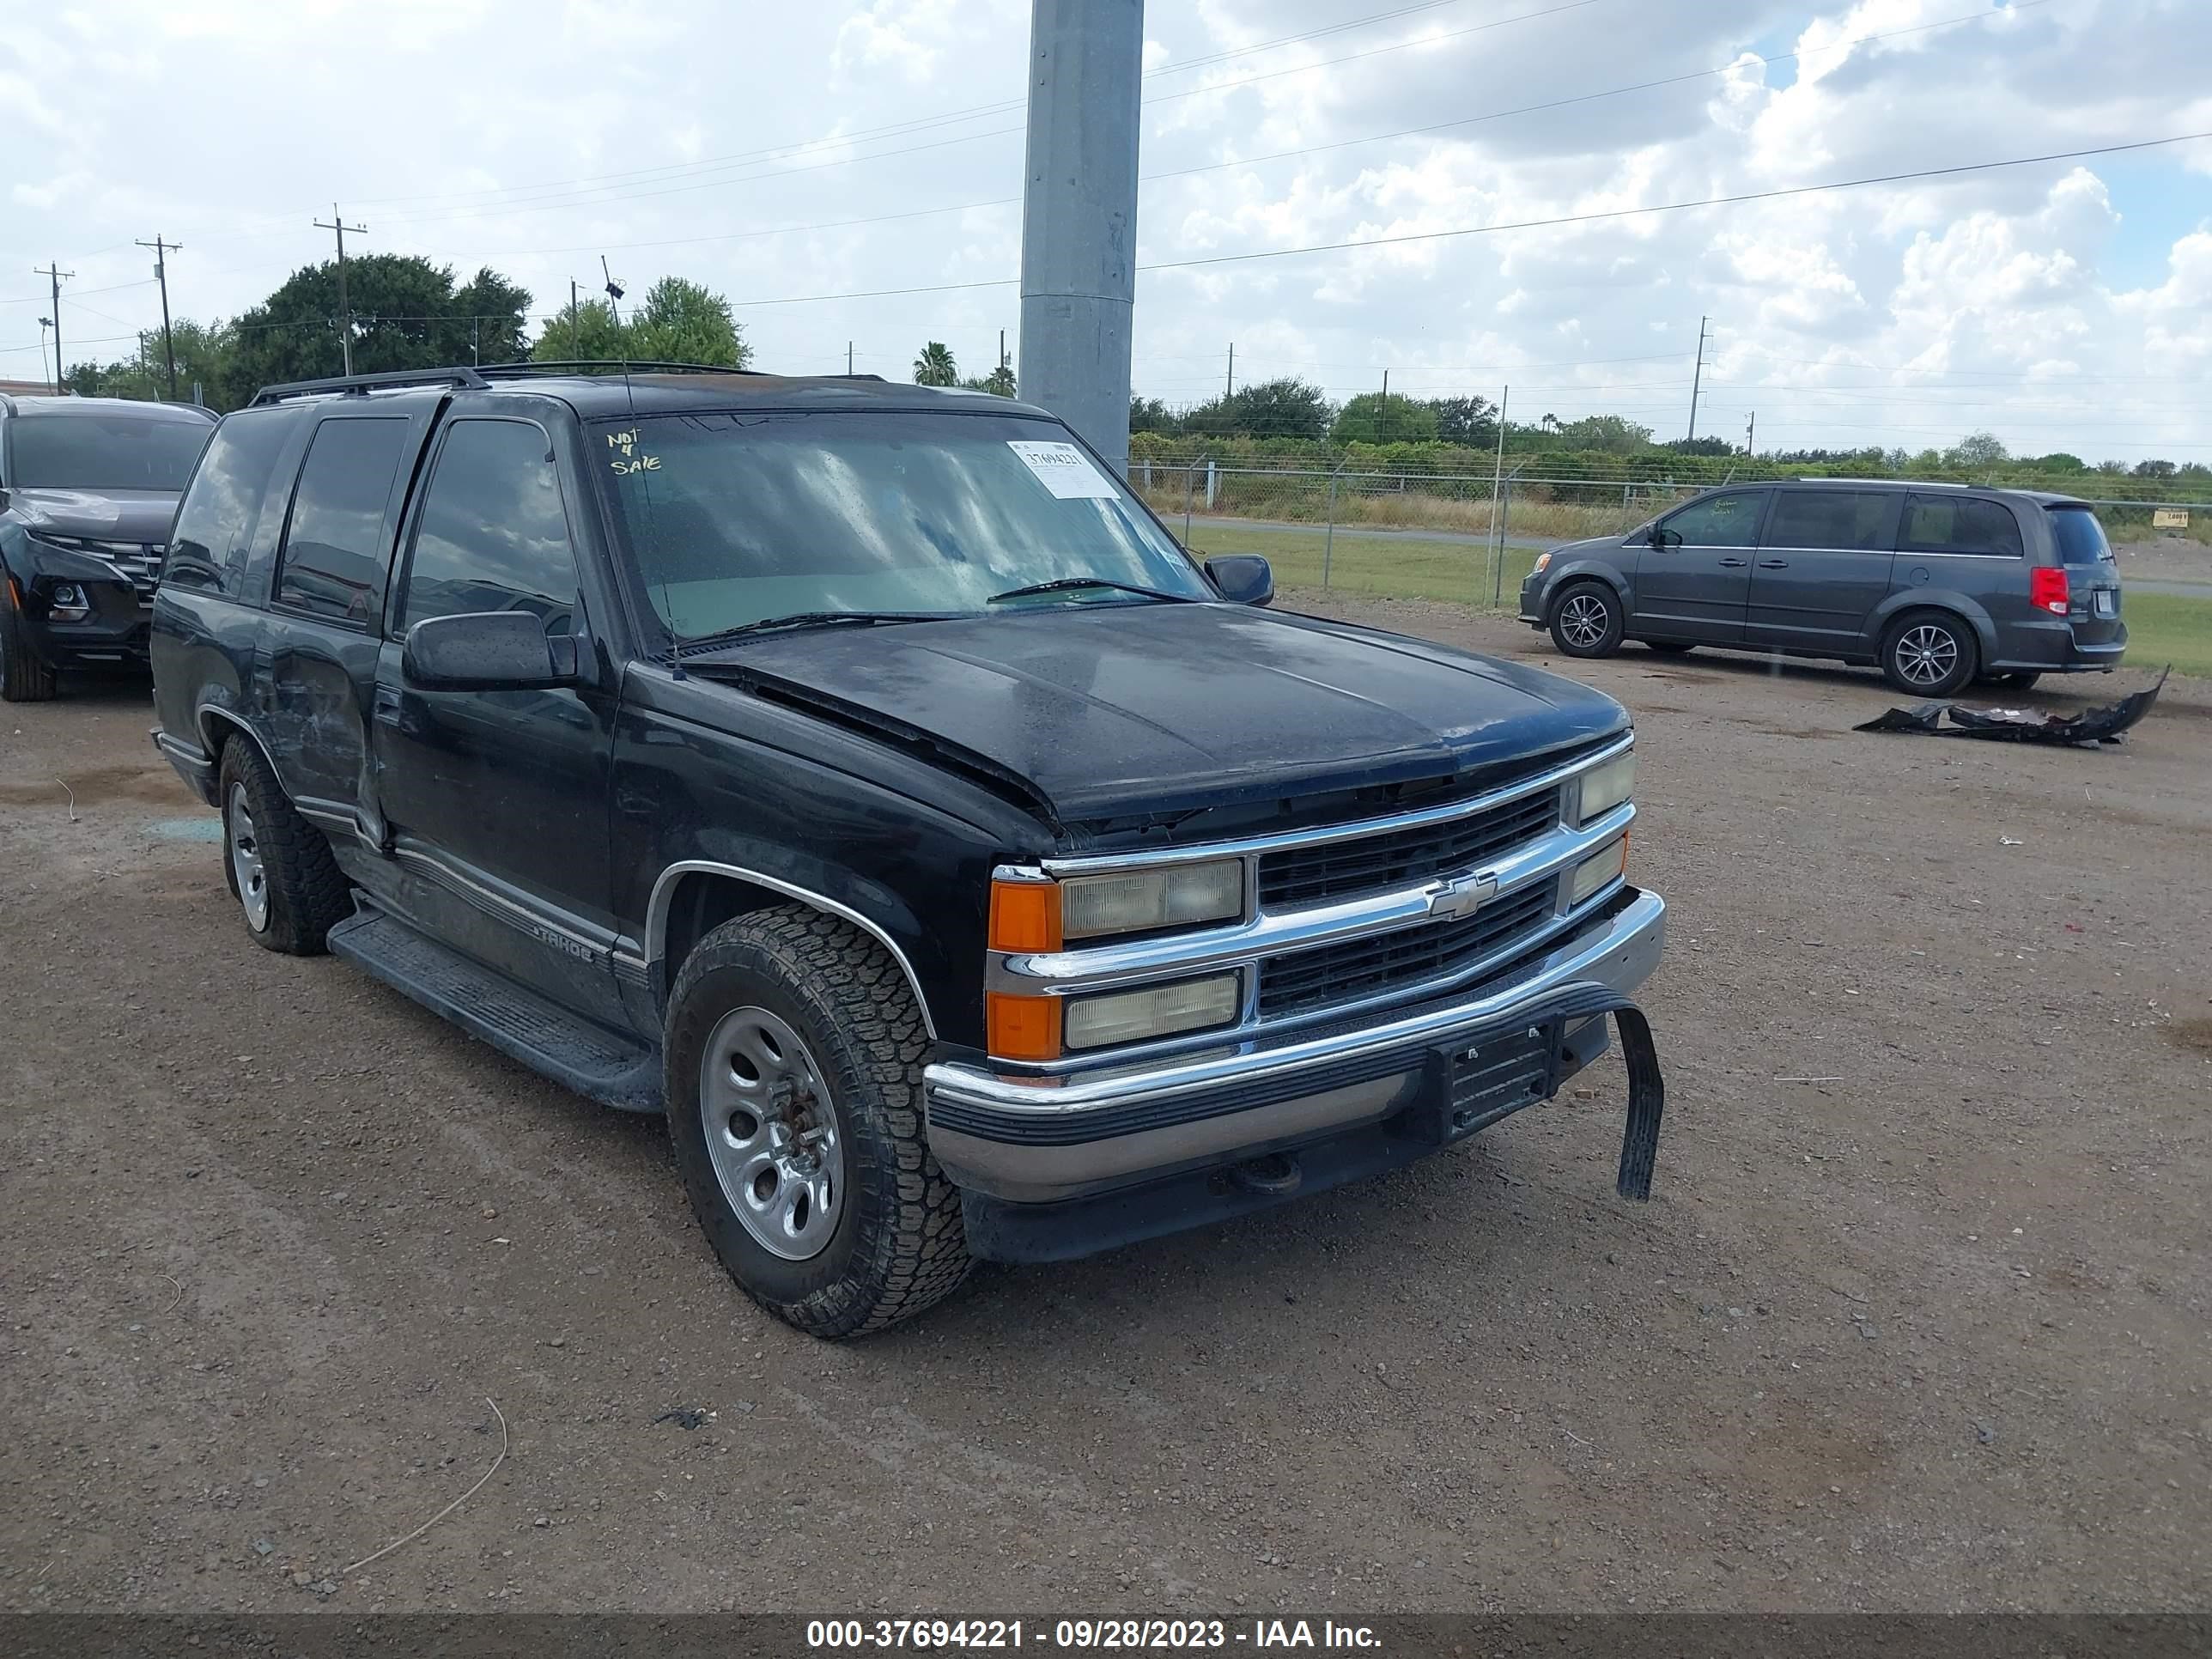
(2162, 628)
(1404, 565)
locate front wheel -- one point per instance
(1587, 620)
(794, 1053)
(1930, 653)
(24, 678)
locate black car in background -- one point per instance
(88, 488)
(862, 775)
(1938, 584)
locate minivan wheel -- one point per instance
(23, 676)
(276, 864)
(1930, 653)
(794, 1053)
(1586, 620)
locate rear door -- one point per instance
(1693, 579)
(2092, 578)
(1823, 566)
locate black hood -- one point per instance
(1108, 710)
(141, 517)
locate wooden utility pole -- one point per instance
(1698, 378)
(1750, 430)
(1230, 391)
(161, 250)
(58, 278)
(339, 227)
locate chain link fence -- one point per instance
(1470, 538)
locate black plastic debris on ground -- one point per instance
(684, 1417)
(2089, 727)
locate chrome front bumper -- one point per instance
(1027, 1140)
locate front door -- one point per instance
(495, 802)
(1694, 577)
(1823, 567)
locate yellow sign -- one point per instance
(2169, 518)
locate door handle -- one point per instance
(386, 705)
(1774, 564)
(1732, 564)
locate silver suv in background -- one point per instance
(1938, 584)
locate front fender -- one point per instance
(1587, 566)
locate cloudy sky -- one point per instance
(786, 153)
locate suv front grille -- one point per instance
(1334, 870)
(142, 565)
(1405, 958)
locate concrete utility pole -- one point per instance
(58, 278)
(1750, 431)
(1230, 390)
(575, 323)
(1079, 215)
(848, 360)
(161, 276)
(1698, 378)
(345, 312)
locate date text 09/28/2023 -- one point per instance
(1087, 1634)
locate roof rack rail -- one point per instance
(628, 365)
(364, 383)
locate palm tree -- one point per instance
(934, 366)
(1550, 423)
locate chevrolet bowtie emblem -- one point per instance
(1462, 896)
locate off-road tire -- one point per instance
(899, 1246)
(23, 676)
(308, 894)
(1571, 619)
(1964, 653)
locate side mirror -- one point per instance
(495, 651)
(1242, 578)
(1663, 537)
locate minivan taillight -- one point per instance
(2046, 590)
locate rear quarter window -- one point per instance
(1957, 524)
(215, 519)
(333, 560)
(2081, 538)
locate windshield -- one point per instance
(736, 519)
(103, 452)
(2081, 538)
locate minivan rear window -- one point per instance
(2081, 538)
(1957, 524)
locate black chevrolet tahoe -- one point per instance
(860, 775)
(88, 487)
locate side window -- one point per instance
(1851, 520)
(215, 519)
(492, 535)
(1957, 524)
(1730, 520)
(332, 559)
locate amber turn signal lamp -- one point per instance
(1025, 916)
(1021, 1028)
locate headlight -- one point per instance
(1189, 1004)
(1604, 787)
(1543, 563)
(1177, 896)
(1598, 872)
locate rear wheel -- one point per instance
(1930, 653)
(1587, 620)
(794, 1053)
(276, 863)
(23, 676)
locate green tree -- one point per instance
(1469, 421)
(1000, 382)
(406, 315)
(2155, 469)
(1151, 415)
(935, 365)
(1977, 449)
(1705, 445)
(1614, 435)
(1374, 418)
(204, 352)
(683, 322)
(586, 332)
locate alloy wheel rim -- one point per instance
(771, 1133)
(245, 864)
(1927, 654)
(1582, 619)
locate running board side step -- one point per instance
(605, 1066)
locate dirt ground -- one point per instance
(1917, 1318)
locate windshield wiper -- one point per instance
(803, 619)
(1063, 582)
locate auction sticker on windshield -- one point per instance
(1065, 469)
